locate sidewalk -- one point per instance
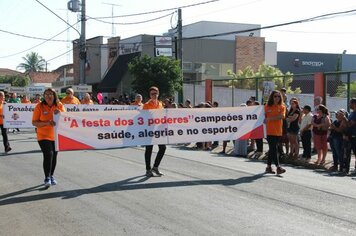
(296, 162)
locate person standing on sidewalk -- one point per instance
(350, 136)
(275, 112)
(5, 139)
(306, 132)
(153, 103)
(321, 123)
(42, 119)
(336, 140)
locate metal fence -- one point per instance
(339, 88)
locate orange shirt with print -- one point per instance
(1, 114)
(44, 112)
(68, 100)
(274, 127)
(153, 104)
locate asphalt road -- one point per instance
(105, 192)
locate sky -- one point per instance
(26, 25)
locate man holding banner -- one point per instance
(153, 103)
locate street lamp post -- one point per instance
(73, 5)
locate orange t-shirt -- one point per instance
(90, 102)
(67, 100)
(1, 114)
(43, 112)
(136, 103)
(153, 104)
(26, 101)
(274, 127)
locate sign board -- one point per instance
(17, 90)
(5, 86)
(167, 52)
(35, 89)
(268, 87)
(82, 88)
(163, 41)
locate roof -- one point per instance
(5, 71)
(116, 72)
(43, 77)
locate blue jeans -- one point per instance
(337, 148)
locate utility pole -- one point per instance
(73, 5)
(82, 46)
(180, 50)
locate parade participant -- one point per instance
(14, 98)
(153, 103)
(138, 100)
(87, 100)
(5, 139)
(275, 112)
(70, 98)
(37, 99)
(42, 119)
(25, 99)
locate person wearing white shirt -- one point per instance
(306, 131)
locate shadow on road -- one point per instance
(12, 153)
(133, 183)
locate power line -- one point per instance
(157, 11)
(46, 40)
(320, 17)
(33, 37)
(59, 55)
(133, 23)
(57, 15)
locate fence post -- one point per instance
(319, 86)
(208, 90)
(233, 94)
(256, 81)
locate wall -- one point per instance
(224, 97)
(250, 51)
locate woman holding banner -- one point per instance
(274, 113)
(42, 119)
(153, 103)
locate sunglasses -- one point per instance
(276, 96)
(154, 93)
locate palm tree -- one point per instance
(33, 62)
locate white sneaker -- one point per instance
(47, 182)
(53, 181)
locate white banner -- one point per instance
(18, 115)
(85, 130)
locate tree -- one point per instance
(246, 79)
(15, 80)
(33, 62)
(162, 72)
